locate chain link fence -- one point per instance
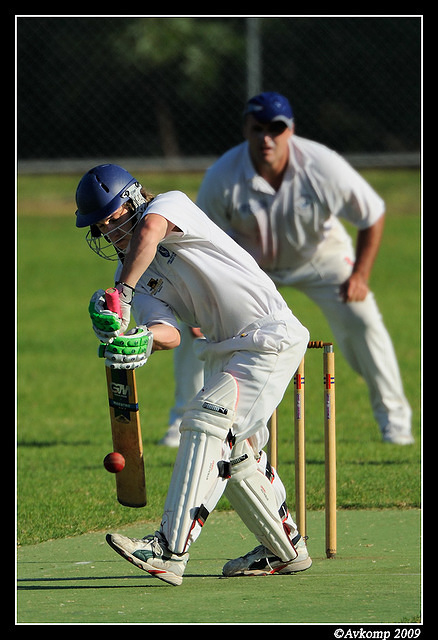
(171, 90)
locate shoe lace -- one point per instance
(155, 542)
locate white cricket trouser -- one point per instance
(358, 329)
(263, 360)
(188, 371)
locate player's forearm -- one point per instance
(367, 248)
(139, 256)
(136, 263)
(165, 337)
(142, 248)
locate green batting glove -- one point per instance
(129, 351)
(106, 324)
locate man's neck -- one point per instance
(273, 174)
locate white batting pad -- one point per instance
(202, 465)
(252, 496)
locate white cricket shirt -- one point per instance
(284, 229)
(202, 276)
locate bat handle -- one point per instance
(113, 301)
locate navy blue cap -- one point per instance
(270, 107)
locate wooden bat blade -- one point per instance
(126, 435)
(125, 426)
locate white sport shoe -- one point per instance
(151, 555)
(262, 562)
(394, 435)
(172, 436)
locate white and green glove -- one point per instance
(129, 351)
(107, 324)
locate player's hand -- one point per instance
(355, 289)
(129, 351)
(126, 293)
(106, 324)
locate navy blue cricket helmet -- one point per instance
(101, 191)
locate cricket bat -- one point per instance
(125, 426)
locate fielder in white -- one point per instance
(281, 197)
(175, 264)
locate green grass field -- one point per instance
(63, 431)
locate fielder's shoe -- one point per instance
(262, 562)
(151, 555)
(172, 436)
(395, 435)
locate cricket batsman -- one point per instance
(175, 264)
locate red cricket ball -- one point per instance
(114, 462)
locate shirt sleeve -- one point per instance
(148, 310)
(347, 194)
(212, 199)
